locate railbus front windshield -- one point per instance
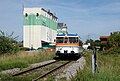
(59, 40)
(72, 39)
(67, 40)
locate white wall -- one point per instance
(32, 36)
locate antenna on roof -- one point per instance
(54, 14)
(22, 5)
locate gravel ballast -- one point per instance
(72, 70)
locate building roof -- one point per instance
(104, 37)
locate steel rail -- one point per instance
(53, 70)
(22, 72)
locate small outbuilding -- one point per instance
(103, 40)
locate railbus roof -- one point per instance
(67, 35)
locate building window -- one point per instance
(26, 14)
(37, 14)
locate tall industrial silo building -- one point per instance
(40, 26)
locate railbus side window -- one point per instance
(59, 40)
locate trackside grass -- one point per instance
(23, 59)
(108, 65)
(108, 68)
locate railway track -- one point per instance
(53, 71)
(31, 69)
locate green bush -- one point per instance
(8, 44)
(114, 40)
(112, 51)
(24, 49)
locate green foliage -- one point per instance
(49, 79)
(7, 44)
(91, 43)
(108, 69)
(12, 64)
(114, 40)
(24, 49)
(10, 78)
(114, 50)
(23, 59)
(97, 43)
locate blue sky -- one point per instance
(85, 17)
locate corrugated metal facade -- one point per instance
(39, 25)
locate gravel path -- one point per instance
(71, 71)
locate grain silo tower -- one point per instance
(40, 26)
